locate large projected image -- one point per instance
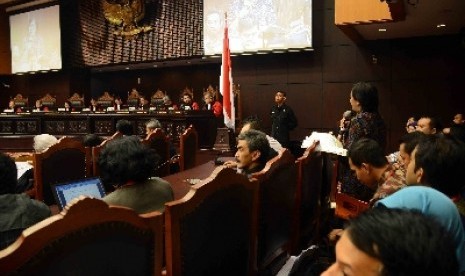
(257, 25)
(35, 40)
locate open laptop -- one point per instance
(66, 192)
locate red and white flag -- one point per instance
(226, 82)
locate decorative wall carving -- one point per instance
(177, 33)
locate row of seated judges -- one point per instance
(135, 101)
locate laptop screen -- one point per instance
(65, 192)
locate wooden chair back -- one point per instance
(348, 207)
(96, 152)
(106, 100)
(133, 98)
(20, 101)
(308, 199)
(76, 101)
(160, 142)
(157, 99)
(330, 176)
(64, 161)
(88, 238)
(48, 101)
(278, 184)
(188, 143)
(212, 230)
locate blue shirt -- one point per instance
(431, 203)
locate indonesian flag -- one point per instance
(226, 82)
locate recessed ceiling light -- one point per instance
(442, 25)
(382, 29)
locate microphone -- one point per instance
(347, 114)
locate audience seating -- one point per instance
(64, 161)
(88, 238)
(212, 230)
(161, 143)
(188, 149)
(330, 176)
(306, 228)
(96, 152)
(348, 207)
(49, 101)
(277, 182)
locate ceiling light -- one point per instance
(442, 25)
(382, 29)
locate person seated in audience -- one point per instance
(18, 211)
(151, 125)
(40, 107)
(92, 140)
(124, 127)
(407, 144)
(385, 241)
(371, 167)
(210, 104)
(458, 119)
(253, 122)
(430, 202)
(126, 164)
(187, 103)
(43, 142)
(410, 126)
(253, 151)
(457, 122)
(429, 125)
(439, 162)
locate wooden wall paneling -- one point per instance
(339, 64)
(5, 55)
(307, 102)
(336, 101)
(272, 69)
(305, 67)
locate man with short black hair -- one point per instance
(124, 127)
(371, 167)
(283, 119)
(397, 242)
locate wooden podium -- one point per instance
(225, 140)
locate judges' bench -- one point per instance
(17, 130)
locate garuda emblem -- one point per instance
(125, 14)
